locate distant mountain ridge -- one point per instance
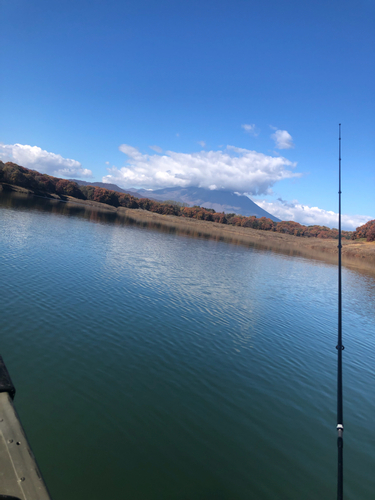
(112, 187)
(219, 200)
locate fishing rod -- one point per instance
(340, 348)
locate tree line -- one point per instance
(44, 184)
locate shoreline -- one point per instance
(358, 255)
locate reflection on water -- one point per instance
(26, 202)
(103, 215)
(151, 366)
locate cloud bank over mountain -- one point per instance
(234, 169)
(38, 159)
(311, 216)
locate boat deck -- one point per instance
(20, 478)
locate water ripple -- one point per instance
(183, 368)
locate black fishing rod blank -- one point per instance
(340, 348)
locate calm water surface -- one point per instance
(154, 366)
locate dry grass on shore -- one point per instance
(354, 254)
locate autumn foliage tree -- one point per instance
(68, 188)
(366, 231)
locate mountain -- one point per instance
(111, 187)
(219, 200)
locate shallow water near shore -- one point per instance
(150, 365)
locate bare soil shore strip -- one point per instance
(358, 255)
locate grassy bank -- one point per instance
(360, 255)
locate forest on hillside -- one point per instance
(43, 184)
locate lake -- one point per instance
(150, 365)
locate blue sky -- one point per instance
(223, 94)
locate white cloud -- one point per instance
(250, 128)
(156, 148)
(202, 143)
(234, 168)
(38, 159)
(310, 216)
(283, 140)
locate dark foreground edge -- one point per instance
(20, 478)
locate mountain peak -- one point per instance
(219, 200)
